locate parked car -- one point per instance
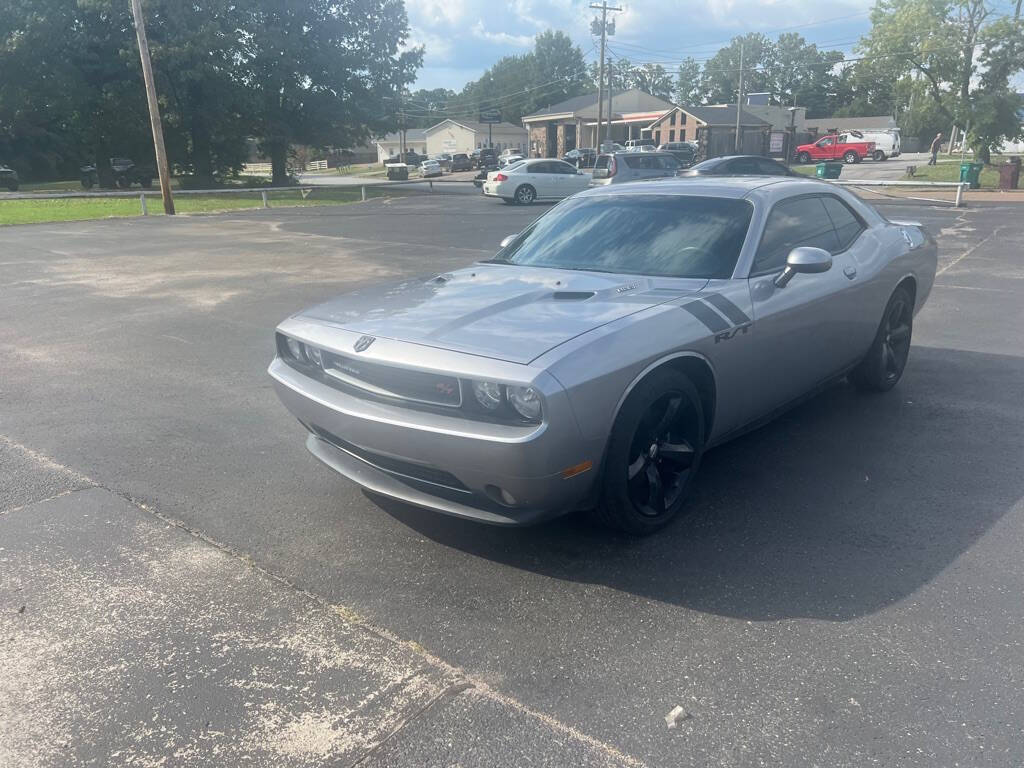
(887, 143)
(461, 162)
(739, 165)
(836, 146)
(582, 157)
(397, 171)
(634, 165)
(509, 152)
(593, 361)
(683, 151)
(485, 158)
(8, 178)
(411, 157)
(525, 181)
(508, 160)
(430, 169)
(125, 173)
(639, 144)
(444, 160)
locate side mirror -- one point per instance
(805, 260)
(506, 241)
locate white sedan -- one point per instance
(430, 168)
(531, 180)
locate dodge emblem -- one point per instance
(363, 343)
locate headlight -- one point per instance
(295, 349)
(488, 394)
(313, 353)
(526, 401)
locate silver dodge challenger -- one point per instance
(594, 359)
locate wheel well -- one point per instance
(699, 372)
(910, 284)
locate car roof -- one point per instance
(711, 186)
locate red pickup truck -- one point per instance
(836, 146)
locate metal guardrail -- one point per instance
(961, 186)
(264, 192)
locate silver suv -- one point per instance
(620, 167)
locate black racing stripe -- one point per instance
(736, 315)
(706, 315)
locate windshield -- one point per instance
(657, 235)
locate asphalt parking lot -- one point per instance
(181, 581)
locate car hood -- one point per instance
(501, 311)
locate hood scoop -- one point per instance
(572, 295)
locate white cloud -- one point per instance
(506, 38)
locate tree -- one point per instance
(207, 107)
(798, 73)
(323, 72)
(689, 83)
(721, 72)
(653, 79)
(518, 85)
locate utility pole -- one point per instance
(739, 100)
(602, 27)
(608, 134)
(154, 109)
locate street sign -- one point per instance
(490, 116)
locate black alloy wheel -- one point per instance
(896, 343)
(885, 362)
(653, 454)
(662, 455)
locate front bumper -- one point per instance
(445, 463)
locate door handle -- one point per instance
(850, 272)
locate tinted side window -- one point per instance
(540, 168)
(848, 226)
(568, 170)
(633, 160)
(668, 162)
(743, 165)
(770, 168)
(792, 223)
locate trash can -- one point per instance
(828, 170)
(1009, 174)
(971, 173)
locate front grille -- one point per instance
(392, 465)
(390, 381)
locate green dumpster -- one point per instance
(828, 170)
(971, 173)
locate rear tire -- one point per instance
(804, 158)
(879, 156)
(653, 454)
(850, 158)
(883, 365)
(525, 194)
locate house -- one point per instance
(573, 123)
(465, 136)
(822, 126)
(681, 123)
(391, 145)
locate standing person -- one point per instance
(936, 146)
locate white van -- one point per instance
(887, 143)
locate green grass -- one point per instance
(950, 171)
(80, 209)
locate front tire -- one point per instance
(525, 194)
(653, 454)
(850, 158)
(883, 366)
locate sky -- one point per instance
(462, 38)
